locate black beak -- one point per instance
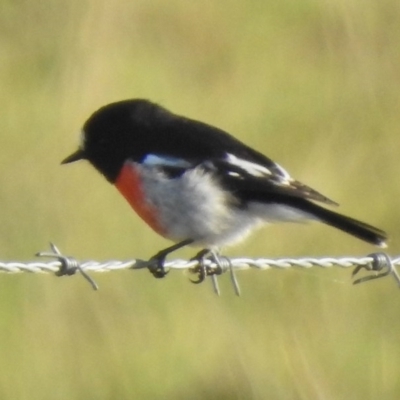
(78, 155)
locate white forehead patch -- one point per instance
(82, 139)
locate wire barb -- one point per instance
(69, 265)
(225, 264)
(379, 262)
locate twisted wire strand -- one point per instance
(379, 263)
(14, 267)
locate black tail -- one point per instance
(346, 224)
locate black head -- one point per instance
(117, 132)
(133, 129)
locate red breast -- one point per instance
(130, 186)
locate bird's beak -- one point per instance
(78, 155)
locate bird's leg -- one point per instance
(202, 269)
(156, 263)
(223, 264)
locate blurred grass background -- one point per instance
(313, 84)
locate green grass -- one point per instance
(315, 85)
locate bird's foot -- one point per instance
(203, 269)
(206, 258)
(156, 265)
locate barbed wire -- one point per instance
(379, 264)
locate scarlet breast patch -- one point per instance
(130, 186)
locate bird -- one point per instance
(196, 184)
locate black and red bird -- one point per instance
(196, 184)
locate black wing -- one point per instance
(254, 182)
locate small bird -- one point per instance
(195, 184)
